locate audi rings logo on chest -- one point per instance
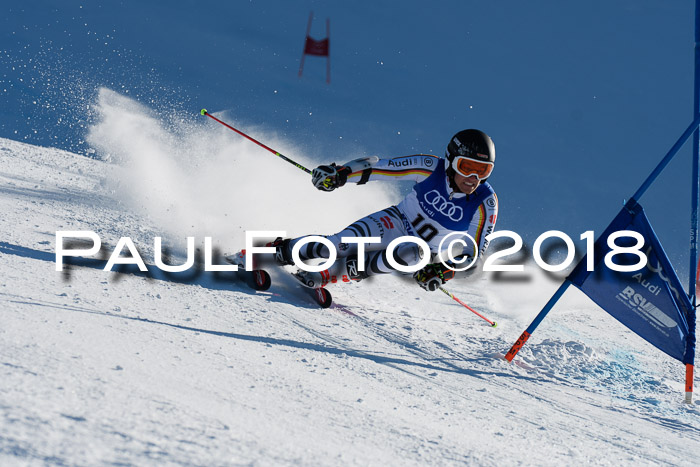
(444, 207)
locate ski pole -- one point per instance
(492, 323)
(204, 112)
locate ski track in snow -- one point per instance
(107, 368)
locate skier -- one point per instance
(452, 195)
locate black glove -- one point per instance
(329, 177)
(433, 276)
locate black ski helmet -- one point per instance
(474, 144)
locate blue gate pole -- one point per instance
(692, 279)
(538, 319)
(692, 130)
(667, 158)
(696, 170)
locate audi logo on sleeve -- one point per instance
(444, 207)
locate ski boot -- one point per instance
(260, 278)
(283, 251)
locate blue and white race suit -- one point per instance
(432, 211)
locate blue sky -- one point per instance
(581, 98)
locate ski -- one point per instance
(322, 296)
(257, 279)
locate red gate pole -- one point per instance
(328, 57)
(303, 50)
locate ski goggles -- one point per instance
(466, 167)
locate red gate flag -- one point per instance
(314, 47)
(319, 48)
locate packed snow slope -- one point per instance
(100, 368)
(103, 368)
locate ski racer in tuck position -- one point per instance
(451, 195)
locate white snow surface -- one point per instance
(102, 368)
